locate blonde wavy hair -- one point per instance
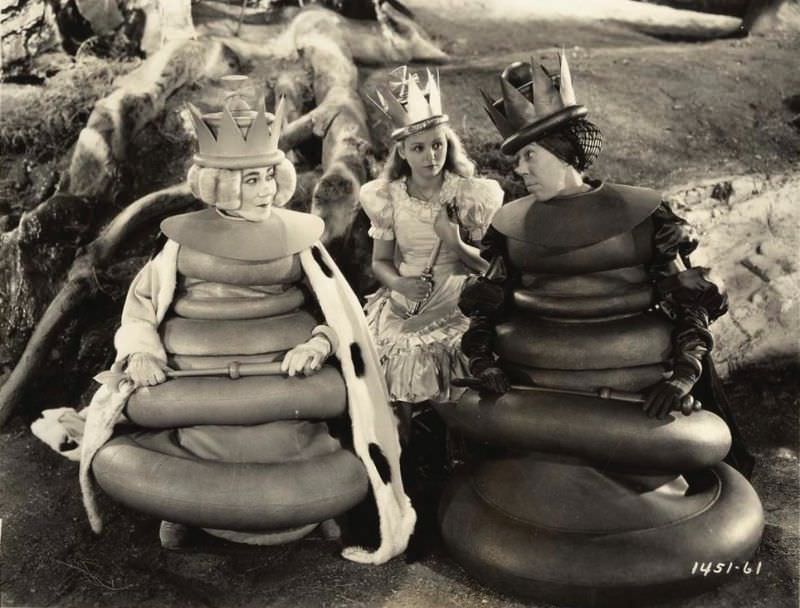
(457, 161)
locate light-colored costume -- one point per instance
(249, 458)
(420, 353)
(149, 300)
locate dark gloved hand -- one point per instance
(668, 395)
(494, 380)
(480, 295)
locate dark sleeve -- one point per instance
(484, 300)
(687, 295)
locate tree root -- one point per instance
(82, 285)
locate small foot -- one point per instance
(330, 530)
(172, 535)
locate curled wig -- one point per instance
(223, 187)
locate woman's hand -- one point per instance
(306, 358)
(494, 380)
(446, 229)
(414, 288)
(669, 395)
(145, 370)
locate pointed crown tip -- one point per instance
(405, 101)
(530, 93)
(237, 138)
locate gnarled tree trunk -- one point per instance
(324, 43)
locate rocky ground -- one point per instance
(710, 124)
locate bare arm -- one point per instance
(383, 262)
(414, 288)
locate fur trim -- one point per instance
(61, 429)
(371, 415)
(154, 285)
(102, 415)
(374, 427)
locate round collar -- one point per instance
(577, 220)
(283, 233)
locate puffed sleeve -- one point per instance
(477, 201)
(138, 332)
(680, 289)
(375, 198)
(690, 296)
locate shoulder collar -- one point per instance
(579, 220)
(283, 233)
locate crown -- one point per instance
(534, 103)
(411, 109)
(238, 137)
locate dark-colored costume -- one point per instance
(589, 501)
(589, 302)
(688, 298)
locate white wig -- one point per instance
(223, 187)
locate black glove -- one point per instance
(480, 296)
(494, 380)
(668, 395)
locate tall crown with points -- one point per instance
(238, 137)
(534, 103)
(408, 106)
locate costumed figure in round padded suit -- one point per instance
(244, 286)
(589, 347)
(425, 199)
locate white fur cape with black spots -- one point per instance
(373, 423)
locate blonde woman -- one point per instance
(426, 210)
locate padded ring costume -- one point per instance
(591, 428)
(620, 251)
(636, 298)
(250, 400)
(268, 305)
(236, 337)
(631, 341)
(632, 379)
(198, 265)
(618, 503)
(230, 496)
(604, 283)
(623, 569)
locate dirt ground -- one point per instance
(673, 114)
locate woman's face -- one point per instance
(258, 193)
(544, 174)
(425, 152)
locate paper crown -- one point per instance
(411, 109)
(534, 103)
(238, 137)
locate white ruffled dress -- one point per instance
(421, 353)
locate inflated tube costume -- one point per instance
(589, 303)
(245, 451)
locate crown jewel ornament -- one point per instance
(534, 103)
(238, 137)
(411, 109)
